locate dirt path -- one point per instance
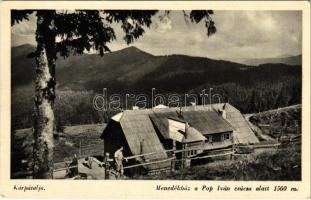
(257, 130)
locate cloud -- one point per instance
(240, 34)
(26, 27)
(251, 34)
(263, 20)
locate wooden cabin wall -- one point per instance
(114, 138)
(195, 145)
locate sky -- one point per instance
(240, 35)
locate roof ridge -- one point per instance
(172, 108)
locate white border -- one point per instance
(142, 188)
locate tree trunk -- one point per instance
(44, 96)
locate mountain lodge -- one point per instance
(157, 132)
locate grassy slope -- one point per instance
(285, 164)
(65, 147)
(272, 121)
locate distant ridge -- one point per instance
(290, 60)
(133, 68)
(133, 71)
(22, 50)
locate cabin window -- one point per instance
(192, 152)
(227, 136)
(216, 138)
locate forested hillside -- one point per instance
(79, 78)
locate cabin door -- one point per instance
(181, 156)
(179, 146)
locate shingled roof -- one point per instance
(206, 122)
(193, 135)
(137, 127)
(243, 134)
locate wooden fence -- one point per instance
(231, 152)
(219, 153)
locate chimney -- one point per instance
(186, 129)
(193, 105)
(179, 113)
(135, 108)
(223, 112)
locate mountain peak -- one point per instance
(131, 50)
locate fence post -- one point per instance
(79, 148)
(173, 162)
(107, 165)
(183, 156)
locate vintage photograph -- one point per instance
(156, 94)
